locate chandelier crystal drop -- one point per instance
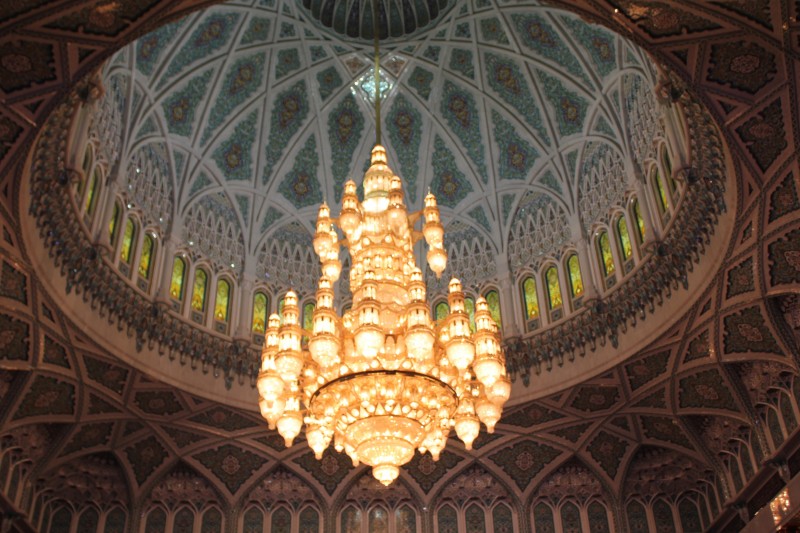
(383, 379)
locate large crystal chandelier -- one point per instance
(383, 379)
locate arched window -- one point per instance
(598, 518)
(493, 301)
(662, 514)
(113, 224)
(281, 521)
(253, 521)
(184, 520)
(222, 300)
(378, 519)
(543, 518)
(146, 259)
(469, 307)
(199, 290)
(308, 316)
(178, 276)
(530, 299)
(91, 195)
(637, 215)
(606, 258)
(661, 192)
(570, 518)
(88, 520)
(309, 520)
(574, 275)
(666, 163)
(474, 519)
(624, 238)
(61, 522)
(115, 521)
(350, 521)
(690, 519)
(554, 300)
(212, 521)
(441, 311)
(447, 520)
(281, 301)
(156, 522)
(260, 312)
(637, 518)
(128, 237)
(502, 519)
(405, 520)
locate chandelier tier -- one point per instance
(383, 379)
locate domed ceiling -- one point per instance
(249, 116)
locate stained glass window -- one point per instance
(178, 276)
(662, 514)
(115, 521)
(606, 258)
(222, 300)
(637, 213)
(281, 521)
(212, 521)
(146, 259)
(253, 521)
(280, 307)
(531, 299)
(199, 290)
(474, 519)
(441, 311)
(260, 312)
(469, 307)
(308, 316)
(378, 520)
(543, 518)
(127, 241)
(666, 162)
(574, 273)
(624, 239)
(690, 519)
(350, 521)
(113, 224)
(309, 521)
(405, 520)
(88, 520)
(493, 301)
(446, 520)
(502, 519)
(184, 520)
(553, 288)
(156, 522)
(570, 518)
(91, 196)
(637, 518)
(661, 192)
(61, 521)
(598, 518)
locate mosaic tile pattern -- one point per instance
(233, 155)
(461, 114)
(181, 106)
(288, 113)
(301, 185)
(231, 464)
(516, 156)
(538, 35)
(345, 128)
(449, 184)
(524, 460)
(404, 128)
(570, 109)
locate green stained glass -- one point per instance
(91, 196)
(260, 309)
(469, 307)
(222, 300)
(661, 192)
(113, 224)
(553, 287)
(575, 280)
(127, 241)
(606, 259)
(624, 239)
(531, 299)
(281, 521)
(146, 259)
(493, 301)
(637, 213)
(280, 307)
(308, 316)
(405, 520)
(178, 275)
(199, 290)
(441, 311)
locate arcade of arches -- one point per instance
(618, 179)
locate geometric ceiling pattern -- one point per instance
(717, 387)
(257, 115)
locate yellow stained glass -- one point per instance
(127, 241)
(178, 275)
(260, 310)
(441, 311)
(624, 239)
(493, 301)
(606, 258)
(637, 212)
(469, 307)
(553, 287)
(663, 203)
(113, 224)
(575, 280)
(199, 290)
(222, 300)
(531, 299)
(148, 247)
(91, 196)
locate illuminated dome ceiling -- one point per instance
(251, 115)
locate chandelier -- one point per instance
(383, 379)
